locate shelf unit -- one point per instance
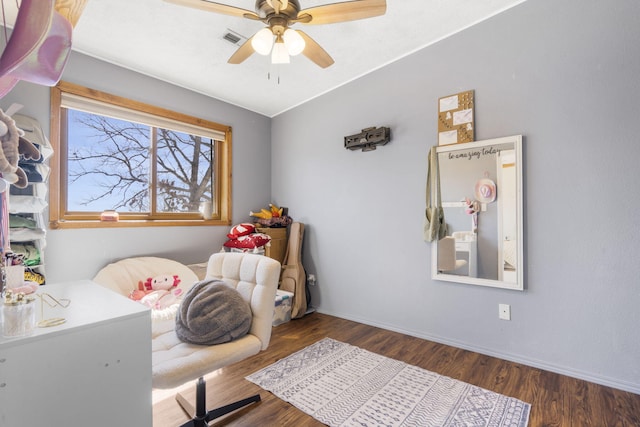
(28, 206)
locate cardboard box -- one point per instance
(282, 309)
(277, 248)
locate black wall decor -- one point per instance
(368, 139)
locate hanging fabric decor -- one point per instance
(39, 46)
(485, 189)
(434, 227)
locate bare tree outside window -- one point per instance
(185, 167)
(110, 166)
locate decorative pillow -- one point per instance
(241, 230)
(249, 241)
(212, 313)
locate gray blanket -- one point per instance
(212, 313)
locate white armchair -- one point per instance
(175, 362)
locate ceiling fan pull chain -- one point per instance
(269, 76)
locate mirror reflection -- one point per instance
(481, 188)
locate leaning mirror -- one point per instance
(481, 192)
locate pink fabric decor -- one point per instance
(38, 48)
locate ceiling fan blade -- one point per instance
(315, 52)
(210, 6)
(342, 12)
(70, 9)
(243, 52)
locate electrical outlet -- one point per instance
(504, 311)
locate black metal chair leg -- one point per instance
(202, 417)
(227, 409)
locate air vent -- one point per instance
(233, 37)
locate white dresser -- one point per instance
(92, 370)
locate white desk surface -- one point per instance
(91, 304)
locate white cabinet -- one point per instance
(94, 369)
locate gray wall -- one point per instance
(80, 253)
(562, 73)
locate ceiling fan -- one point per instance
(280, 40)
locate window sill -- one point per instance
(62, 224)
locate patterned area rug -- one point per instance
(342, 385)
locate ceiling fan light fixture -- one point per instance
(279, 54)
(262, 41)
(293, 41)
(278, 15)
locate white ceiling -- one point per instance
(184, 46)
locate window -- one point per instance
(152, 166)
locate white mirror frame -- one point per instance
(516, 140)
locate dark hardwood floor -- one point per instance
(556, 400)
